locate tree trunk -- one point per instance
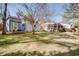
(4, 19)
(33, 29)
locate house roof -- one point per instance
(72, 21)
(14, 19)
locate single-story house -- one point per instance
(69, 27)
(52, 27)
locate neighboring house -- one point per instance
(69, 27)
(66, 25)
(52, 27)
(16, 25)
(69, 24)
(28, 26)
(47, 26)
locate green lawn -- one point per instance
(43, 40)
(27, 37)
(15, 38)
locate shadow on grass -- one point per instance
(49, 41)
(70, 53)
(34, 38)
(65, 36)
(44, 53)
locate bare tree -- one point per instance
(35, 12)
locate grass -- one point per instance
(44, 53)
(70, 53)
(42, 37)
(8, 39)
(38, 36)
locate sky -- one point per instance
(59, 11)
(57, 7)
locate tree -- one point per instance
(4, 19)
(35, 12)
(72, 13)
